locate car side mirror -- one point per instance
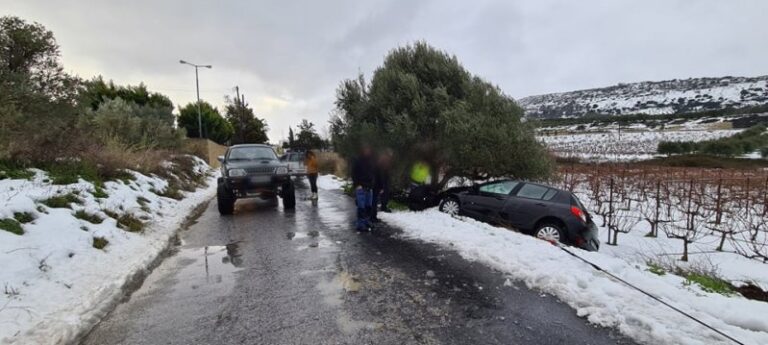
(221, 159)
(475, 188)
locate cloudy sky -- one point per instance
(289, 56)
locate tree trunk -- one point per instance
(685, 251)
(722, 242)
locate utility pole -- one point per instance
(239, 105)
(197, 87)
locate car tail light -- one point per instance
(578, 213)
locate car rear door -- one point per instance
(529, 203)
(485, 202)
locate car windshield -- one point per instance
(251, 153)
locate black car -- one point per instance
(545, 212)
(253, 170)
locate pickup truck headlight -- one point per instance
(236, 172)
(281, 170)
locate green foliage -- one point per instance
(126, 221)
(62, 201)
(97, 92)
(748, 141)
(248, 129)
(656, 269)
(710, 284)
(397, 206)
(424, 105)
(100, 242)
(11, 170)
(215, 127)
(89, 217)
(23, 217)
(12, 226)
(131, 125)
(307, 138)
(99, 192)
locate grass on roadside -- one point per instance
(709, 283)
(126, 221)
(11, 225)
(100, 242)
(62, 201)
(89, 217)
(23, 217)
(397, 206)
(10, 170)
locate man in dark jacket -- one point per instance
(363, 179)
(381, 184)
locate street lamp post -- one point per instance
(197, 86)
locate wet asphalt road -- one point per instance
(270, 276)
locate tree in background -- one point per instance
(36, 96)
(96, 92)
(215, 127)
(291, 138)
(247, 127)
(424, 105)
(308, 137)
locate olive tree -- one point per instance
(423, 104)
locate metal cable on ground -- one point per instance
(598, 268)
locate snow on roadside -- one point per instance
(329, 182)
(600, 299)
(57, 283)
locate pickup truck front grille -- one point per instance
(260, 170)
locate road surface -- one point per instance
(271, 276)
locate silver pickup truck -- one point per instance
(295, 161)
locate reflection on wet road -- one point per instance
(271, 276)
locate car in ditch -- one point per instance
(253, 170)
(545, 212)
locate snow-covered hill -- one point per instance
(662, 97)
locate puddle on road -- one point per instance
(210, 269)
(332, 290)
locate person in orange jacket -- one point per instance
(310, 161)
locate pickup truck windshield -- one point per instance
(252, 153)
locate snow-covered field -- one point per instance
(594, 295)
(625, 146)
(56, 283)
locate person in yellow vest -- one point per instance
(419, 191)
(420, 173)
(310, 161)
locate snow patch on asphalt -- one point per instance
(57, 284)
(595, 296)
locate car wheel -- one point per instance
(226, 200)
(550, 232)
(450, 206)
(289, 196)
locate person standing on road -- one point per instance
(381, 184)
(310, 161)
(363, 178)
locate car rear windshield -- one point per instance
(251, 153)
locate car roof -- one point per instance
(526, 182)
(249, 145)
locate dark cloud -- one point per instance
(289, 56)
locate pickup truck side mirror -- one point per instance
(221, 159)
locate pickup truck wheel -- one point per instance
(289, 196)
(225, 199)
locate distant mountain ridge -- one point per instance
(652, 97)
